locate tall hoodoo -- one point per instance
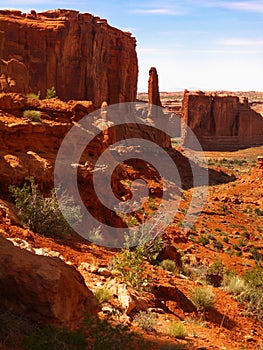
(153, 92)
(82, 56)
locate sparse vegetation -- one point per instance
(51, 93)
(33, 115)
(177, 329)
(169, 265)
(102, 295)
(146, 321)
(202, 297)
(33, 95)
(253, 292)
(233, 284)
(131, 268)
(42, 214)
(203, 240)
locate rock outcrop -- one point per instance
(41, 288)
(80, 55)
(221, 122)
(153, 92)
(260, 162)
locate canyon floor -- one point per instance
(228, 235)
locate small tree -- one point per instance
(51, 93)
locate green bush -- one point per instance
(216, 268)
(169, 265)
(256, 255)
(248, 289)
(33, 95)
(203, 240)
(33, 115)
(146, 320)
(102, 295)
(233, 284)
(42, 214)
(131, 268)
(177, 329)
(202, 298)
(259, 212)
(51, 93)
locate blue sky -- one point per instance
(194, 44)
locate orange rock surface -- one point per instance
(221, 122)
(80, 55)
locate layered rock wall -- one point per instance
(80, 55)
(221, 122)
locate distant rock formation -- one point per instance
(153, 92)
(80, 55)
(221, 122)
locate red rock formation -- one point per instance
(153, 88)
(221, 122)
(41, 288)
(260, 162)
(80, 55)
(153, 94)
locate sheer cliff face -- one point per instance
(79, 54)
(221, 122)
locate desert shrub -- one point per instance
(202, 298)
(259, 212)
(216, 268)
(51, 93)
(33, 115)
(50, 338)
(233, 284)
(253, 292)
(148, 236)
(256, 255)
(146, 320)
(102, 295)
(42, 214)
(226, 239)
(217, 245)
(33, 95)
(177, 329)
(169, 265)
(203, 240)
(131, 268)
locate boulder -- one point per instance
(43, 289)
(170, 253)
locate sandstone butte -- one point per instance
(221, 122)
(80, 55)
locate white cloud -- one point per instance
(251, 6)
(158, 11)
(242, 42)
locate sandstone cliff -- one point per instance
(80, 55)
(221, 122)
